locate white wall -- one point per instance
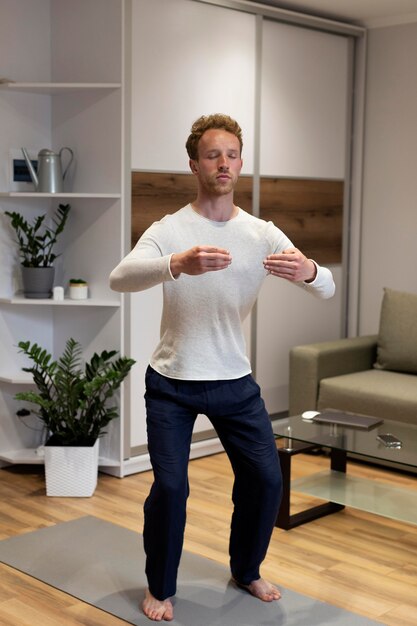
(188, 59)
(30, 23)
(389, 249)
(23, 121)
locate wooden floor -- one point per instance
(361, 562)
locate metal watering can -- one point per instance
(50, 178)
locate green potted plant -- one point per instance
(36, 244)
(73, 402)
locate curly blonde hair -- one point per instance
(207, 122)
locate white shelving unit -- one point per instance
(25, 456)
(18, 378)
(34, 456)
(71, 91)
(30, 194)
(57, 88)
(20, 299)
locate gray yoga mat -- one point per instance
(102, 564)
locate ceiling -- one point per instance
(370, 13)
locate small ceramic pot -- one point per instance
(78, 291)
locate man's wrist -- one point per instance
(313, 278)
(174, 266)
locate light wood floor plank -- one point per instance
(358, 561)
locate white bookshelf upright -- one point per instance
(67, 66)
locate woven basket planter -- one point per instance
(71, 471)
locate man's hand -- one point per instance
(199, 260)
(292, 265)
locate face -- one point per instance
(219, 163)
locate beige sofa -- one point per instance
(373, 375)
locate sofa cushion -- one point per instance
(389, 395)
(397, 339)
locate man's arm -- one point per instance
(144, 267)
(199, 260)
(137, 273)
(294, 266)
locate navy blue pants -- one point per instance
(239, 417)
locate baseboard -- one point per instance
(141, 463)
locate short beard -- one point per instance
(220, 189)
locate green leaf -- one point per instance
(73, 402)
(35, 240)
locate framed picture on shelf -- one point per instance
(19, 178)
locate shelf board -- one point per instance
(20, 299)
(57, 88)
(31, 456)
(19, 378)
(25, 456)
(38, 194)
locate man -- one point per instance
(212, 258)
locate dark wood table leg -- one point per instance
(287, 521)
(338, 460)
(283, 518)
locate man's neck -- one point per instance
(218, 209)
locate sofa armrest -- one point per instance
(312, 362)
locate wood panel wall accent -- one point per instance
(309, 211)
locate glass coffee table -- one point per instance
(336, 487)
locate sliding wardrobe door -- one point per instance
(303, 121)
(189, 59)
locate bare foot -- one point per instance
(157, 610)
(262, 589)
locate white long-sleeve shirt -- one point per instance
(201, 326)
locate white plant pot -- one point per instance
(71, 471)
(78, 292)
